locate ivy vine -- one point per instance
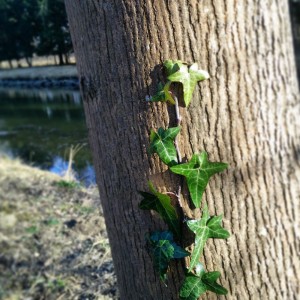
(164, 246)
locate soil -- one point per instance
(53, 241)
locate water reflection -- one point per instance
(40, 126)
(60, 167)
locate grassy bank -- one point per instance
(48, 72)
(53, 242)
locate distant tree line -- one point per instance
(40, 27)
(33, 27)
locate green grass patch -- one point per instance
(51, 222)
(68, 184)
(32, 229)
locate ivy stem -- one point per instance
(178, 121)
(171, 193)
(179, 158)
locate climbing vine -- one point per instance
(164, 246)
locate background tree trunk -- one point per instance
(295, 16)
(246, 115)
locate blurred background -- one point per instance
(41, 115)
(53, 243)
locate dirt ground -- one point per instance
(53, 242)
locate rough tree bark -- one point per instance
(246, 115)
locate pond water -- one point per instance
(41, 126)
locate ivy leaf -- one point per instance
(168, 93)
(160, 95)
(172, 66)
(161, 203)
(189, 78)
(163, 249)
(210, 279)
(163, 94)
(196, 285)
(198, 172)
(205, 228)
(192, 288)
(162, 252)
(162, 143)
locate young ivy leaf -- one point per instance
(189, 78)
(168, 93)
(163, 94)
(163, 249)
(162, 143)
(162, 204)
(196, 285)
(160, 95)
(172, 66)
(205, 228)
(198, 172)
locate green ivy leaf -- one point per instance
(163, 249)
(163, 94)
(196, 285)
(161, 203)
(188, 77)
(198, 172)
(172, 66)
(168, 93)
(210, 279)
(162, 143)
(205, 228)
(160, 94)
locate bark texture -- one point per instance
(247, 114)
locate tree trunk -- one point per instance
(55, 60)
(10, 64)
(295, 16)
(61, 59)
(29, 61)
(246, 115)
(66, 57)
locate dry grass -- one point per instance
(53, 242)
